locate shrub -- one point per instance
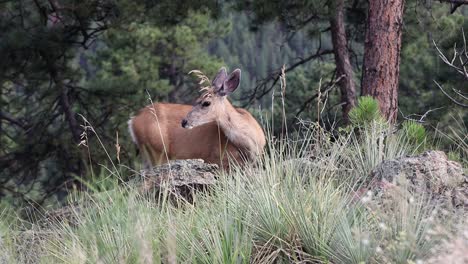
(366, 111)
(414, 132)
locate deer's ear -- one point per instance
(231, 83)
(218, 81)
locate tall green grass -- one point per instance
(305, 202)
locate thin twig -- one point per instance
(450, 97)
(421, 119)
(326, 90)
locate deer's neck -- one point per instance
(240, 130)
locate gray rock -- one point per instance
(453, 251)
(180, 177)
(431, 173)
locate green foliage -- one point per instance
(414, 132)
(38, 138)
(366, 112)
(143, 56)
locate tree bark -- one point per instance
(343, 65)
(382, 47)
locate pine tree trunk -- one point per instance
(343, 65)
(381, 67)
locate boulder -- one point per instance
(430, 172)
(179, 177)
(453, 251)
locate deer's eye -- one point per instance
(205, 104)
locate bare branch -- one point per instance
(11, 119)
(460, 69)
(460, 56)
(459, 93)
(451, 98)
(421, 119)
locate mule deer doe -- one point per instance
(212, 129)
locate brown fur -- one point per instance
(207, 142)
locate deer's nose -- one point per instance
(184, 123)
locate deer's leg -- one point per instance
(159, 158)
(156, 157)
(147, 157)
